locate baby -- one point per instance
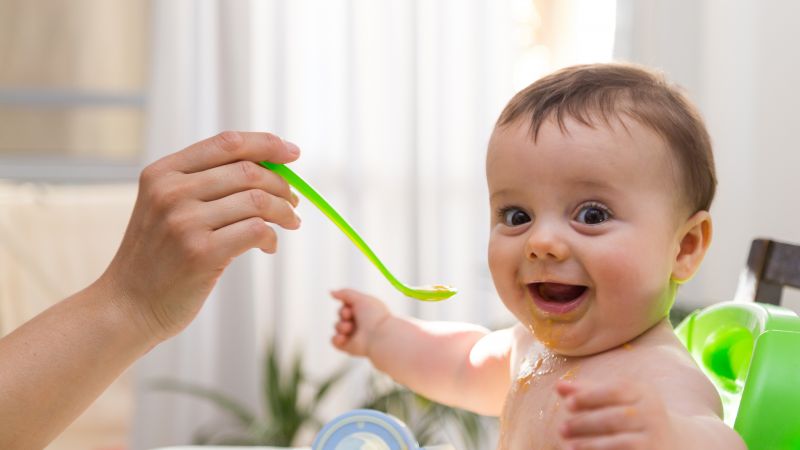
(600, 180)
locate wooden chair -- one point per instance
(771, 265)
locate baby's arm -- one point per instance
(458, 364)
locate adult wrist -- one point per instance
(126, 313)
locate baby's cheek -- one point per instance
(500, 263)
(619, 269)
(636, 283)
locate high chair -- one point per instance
(750, 349)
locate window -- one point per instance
(72, 88)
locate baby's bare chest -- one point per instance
(533, 409)
(530, 417)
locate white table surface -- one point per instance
(209, 447)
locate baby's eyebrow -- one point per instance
(500, 193)
(599, 185)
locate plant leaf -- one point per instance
(272, 388)
(225, 402)
(427, 419)
(326, 385)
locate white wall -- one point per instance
(738, 59)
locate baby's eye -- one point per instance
(593, 214)
(513, 217)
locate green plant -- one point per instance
(286, 412)
(427, 420)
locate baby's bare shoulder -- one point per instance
(668, 368)
(684, 387)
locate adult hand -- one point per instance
(196, 210)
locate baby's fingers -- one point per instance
(344, 333)
(566, 388)
(605, 421)
(344, 327)
(350, 296)
(623, 441)
(339, 341)
(346, 313)
(581, 397)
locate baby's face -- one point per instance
(585, 231)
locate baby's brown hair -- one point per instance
(613, 90)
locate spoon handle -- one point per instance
(314, 197)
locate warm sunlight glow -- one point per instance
(552, 34)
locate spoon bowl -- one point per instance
(436, 292)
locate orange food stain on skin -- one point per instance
(546, 333)
(630, 411)
(524, 381)
(539, 363)
(501, 440)
(627, 346)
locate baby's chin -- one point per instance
(570, 339)
(580, 351)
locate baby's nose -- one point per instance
(545, 243)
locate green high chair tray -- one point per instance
(751, 352)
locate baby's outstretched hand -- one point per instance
(360, 317)
(614, 415)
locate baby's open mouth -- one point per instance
(557, 298)
(556, 292)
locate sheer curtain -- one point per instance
(200, 51)
(392, 104)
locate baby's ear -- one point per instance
(695, 237)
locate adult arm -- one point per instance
(196, 210)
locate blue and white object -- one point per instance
(360, 429)
(366, 429)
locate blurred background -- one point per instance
(392, 103)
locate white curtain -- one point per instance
(392, 103)
(200, 52)
(739, 62)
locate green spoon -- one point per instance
(430, 293)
